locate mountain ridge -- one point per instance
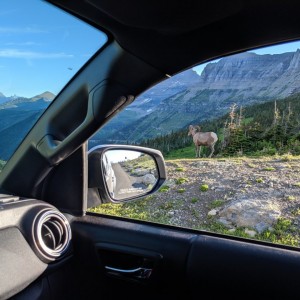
(244, 79)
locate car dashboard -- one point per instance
(35, 238)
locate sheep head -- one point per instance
(191, 130)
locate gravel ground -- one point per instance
(276, 180)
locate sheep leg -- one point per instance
(199, 155)
(212, 147)
(196, 151)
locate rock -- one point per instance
(219, 189)
(140, 172)
(254, 213)
(170, 182)
(252, 233)
(261, 227)
(213, 212)
(149, 179)
(225, 222)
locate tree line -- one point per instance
(261, 129)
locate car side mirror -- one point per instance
(119, 173)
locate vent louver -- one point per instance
(52, 234)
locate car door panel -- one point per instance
(183, 261)
(228, 264)
(99, 241)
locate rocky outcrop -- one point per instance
(260, 214)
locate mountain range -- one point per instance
(17, 116)
(186, 98)
(189, 98)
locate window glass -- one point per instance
(41, 49)
(243, 178)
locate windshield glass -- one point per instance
(41, 49)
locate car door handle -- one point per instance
(137, 273)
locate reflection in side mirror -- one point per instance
(128, 173)
(119, 173)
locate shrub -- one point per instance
(194, 200)
(269, 169)
(204, 188)
(259, 180)
(179, 169)
(181, 180)
(164, 189)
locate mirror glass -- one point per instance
(128, 173)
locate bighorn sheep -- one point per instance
(208, 139)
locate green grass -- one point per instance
(291, 198)
(216, 203)
(283, 233)
(139, 210)
(182, 190)
(187, 152)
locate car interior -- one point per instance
(52, 247)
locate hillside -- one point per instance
(244, 79)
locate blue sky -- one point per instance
(280, 48)
(41, 47)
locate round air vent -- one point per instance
(52, 234)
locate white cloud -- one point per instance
(23, 44)
(15, 53)
(21, 30)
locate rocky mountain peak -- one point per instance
(46, 96)
(295, 61)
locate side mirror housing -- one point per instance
(120, 173)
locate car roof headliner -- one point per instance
(174, 35)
